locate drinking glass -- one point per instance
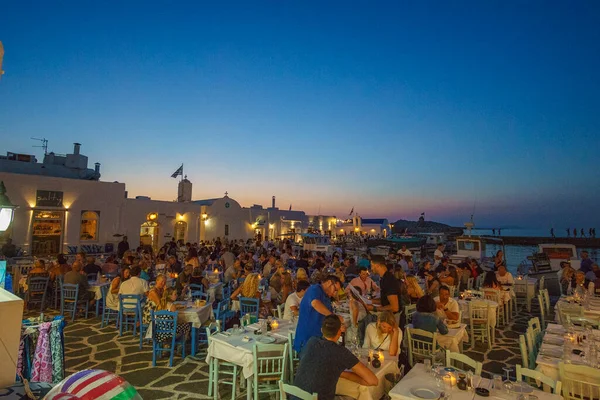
(498, 384)
(508, 371)
(236, 329)
(427, 363)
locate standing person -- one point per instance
(314, 307)
(438, 255)
(323, 362)
(586, 263)
(494, 232)
(582, 233)
(122, 247)
(390, 288)
(574, 232)
(499, 231)
(9, 250)
(568, 232)
(552, 233)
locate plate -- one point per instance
(267, 339)
(425, 393)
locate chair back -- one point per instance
(92, 277)
(542, 283)
(579, 381)
(470, 282)
(492, 294)
(421, 343)
(452, 290)
(227, 289)
(542, 309)
(269, 367)
(546, 299)
(222, 311)
(568, 310)
(594, 323)
(164, 322)
(285, 389)
(197, 295)
(523, 348)
(129, 303)
(249, 305)
(196, 288)
(530, 338)
(293, 356)
(479, 312)
(463, 360)
(280, 311)
(537, 376)
(409, 310)
(520, 289)
(479, 280)
(70, 291)
(37, 285)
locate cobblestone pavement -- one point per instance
(87, 345)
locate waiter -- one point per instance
(389, 286)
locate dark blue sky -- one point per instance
(394, 108)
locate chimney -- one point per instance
(97, 167)
(76, 147)
(273, 202)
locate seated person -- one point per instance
(144, 270)
(183, 280)
(491, 281)
(38, 270)
(446, 306)
(75, 277)
(249, 288)
(134, 285)
(112, 298)
(169, 296)
(580, 284)
(198, 278)
(91, 267)
(425, 268)
(415, 292)
(324, 362)
(110, 266)
(384, 334)
(364, 282)
(433, 284)
(504, 277)
(292, 303)
(426, 318)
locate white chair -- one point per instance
(479, 323)
(285, 389)
(534, 324)
(463, 360)
(495, 295)
(546, 300)
(536, 376)
(278, 312)
(293, 358)
(470, 282)
(531, 343)
(215, 369)
(524, 352)
(542, 310)
(542, 283)
(409, 310)
(269, 367)
(452, 290)
(421, 345)
(479, 280)
(521, 294)
(574, 388)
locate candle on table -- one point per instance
(274, 324)
(380, 354)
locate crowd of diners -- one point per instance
(306, 284)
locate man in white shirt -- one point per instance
(404, 252)
(134, 285)
(233, 272)
(447, 307)
(504, 277)
(292, 304)
(438, 255)
(228, 257)
(269, 267)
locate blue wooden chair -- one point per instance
(92, 277)
(165, 323)
(107, 313)
(130, 311)
(57, 284)
(196, 288)
(37, 287)
(249, 305)
(70, 300)
(222, 312)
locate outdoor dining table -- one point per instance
(357, 391)
(552, 352)
(96, 288)
(418, 378)
(592, 310)
(493, 309)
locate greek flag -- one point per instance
(178, 172)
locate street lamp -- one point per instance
(7, 209)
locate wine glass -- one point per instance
(427, 364)
(508, 370)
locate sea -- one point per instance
(516, 254)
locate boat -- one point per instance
(546, 263)
(314, 242)
(409, 241)
(481, 248)
(380, 250)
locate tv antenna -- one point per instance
(44, 144)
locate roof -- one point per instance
(377, 221)
(205, 202)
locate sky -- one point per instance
(391, 108)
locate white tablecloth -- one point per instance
(454, 339)
(418, 378)
(592, 312)
(192, 314)
(96, 288)
(551, 353)
(464, 307)
(360, 392)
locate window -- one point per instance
(180, 228)
(89, 226)
(226, 229)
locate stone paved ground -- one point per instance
(89, 346)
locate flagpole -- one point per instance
(181, 172)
